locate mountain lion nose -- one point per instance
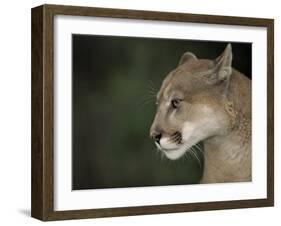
(157, 137)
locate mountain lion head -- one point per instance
(191, 103)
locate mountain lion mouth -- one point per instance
(171, 149)
(180, 151)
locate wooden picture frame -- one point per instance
(42, 205)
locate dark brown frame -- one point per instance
(42, 203)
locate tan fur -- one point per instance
(214, 107)
(228, 158)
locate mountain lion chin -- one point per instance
(174, 154)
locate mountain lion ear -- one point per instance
(187, 57)
(223, 64)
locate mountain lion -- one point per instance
(206, 101)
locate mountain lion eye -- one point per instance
(175, 103)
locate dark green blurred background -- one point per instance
(114, 80)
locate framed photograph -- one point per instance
(141, 112)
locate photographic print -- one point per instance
(152, 112)
(144, 112)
